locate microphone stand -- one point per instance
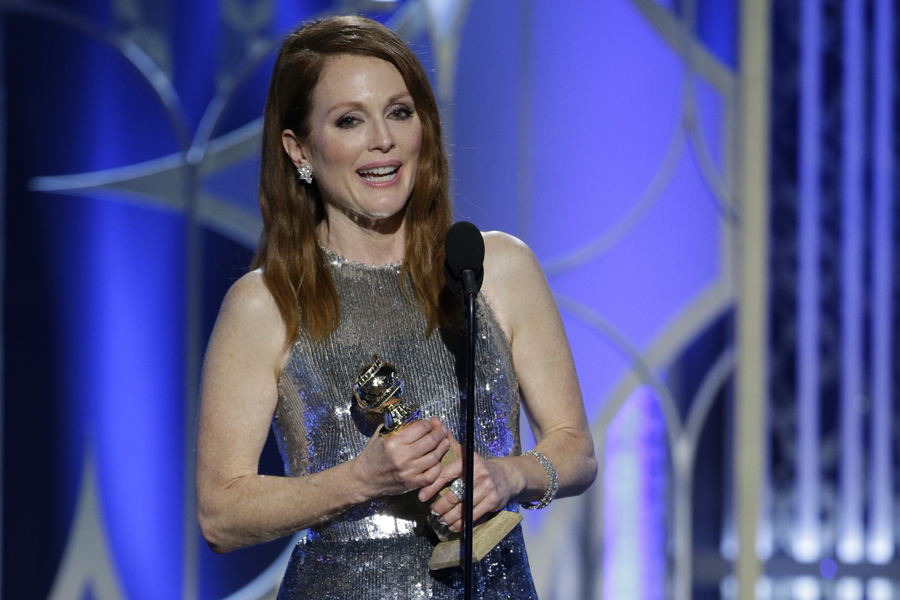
(470, 289)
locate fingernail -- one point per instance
(444, 429)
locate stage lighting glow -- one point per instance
(634, 509)
(805, 588)
(806, 544)
(879, 588)
(880, 543)
(763, 589)
(729, 545)
(850, 547)
(808, 494)
(880, 548)
(728, 588)
(849, 588)
(852, 485)
(765, 534)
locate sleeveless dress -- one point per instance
(381, 549)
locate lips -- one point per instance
(381, 174)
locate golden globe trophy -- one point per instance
(379, 391)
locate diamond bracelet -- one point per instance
(552, 487)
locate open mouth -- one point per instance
(379, 174)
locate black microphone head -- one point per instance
(464, 249)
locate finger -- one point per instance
(402, 443)
(449, 472)
(433, 492)
(458, 526)
(428, 476)
(427, 443)
(454, 444)
(445, 501)
(483, 509)
(485, 503)
(431, 459)
(453, 517)
(455, 470)
(414, 431)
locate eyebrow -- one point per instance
(355, 104)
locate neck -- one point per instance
(371, 242)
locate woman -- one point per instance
(354, 198)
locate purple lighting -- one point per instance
(828, 568)
(635, 505)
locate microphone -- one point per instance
(464, 270)
(464, 265)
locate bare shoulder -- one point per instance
(506, 256)
(249, 315)
(512, 278)
(499, 244)
(251, 293)
(249, 299)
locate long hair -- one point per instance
(293, 264)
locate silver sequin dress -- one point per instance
(381, 549)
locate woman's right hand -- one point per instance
(407, 460)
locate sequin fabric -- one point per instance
(381, 549)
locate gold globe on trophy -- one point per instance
(378, 390)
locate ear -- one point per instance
(294, 148)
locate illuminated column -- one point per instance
(852, 479)
(880, 543)
(634, 533)
(806, 506)
(752, 314)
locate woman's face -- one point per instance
(364, 139)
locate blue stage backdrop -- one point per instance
(835, 381)
(604, 134)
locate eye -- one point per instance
(401, 113)
(346, 122)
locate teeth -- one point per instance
(379, 173)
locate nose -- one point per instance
(381, 138)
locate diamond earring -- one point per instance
(305, 173)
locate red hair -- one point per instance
(293, 264)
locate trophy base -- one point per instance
(484, 537)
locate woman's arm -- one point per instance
(524, 306)
(237, 506)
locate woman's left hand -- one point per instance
(492, 480)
